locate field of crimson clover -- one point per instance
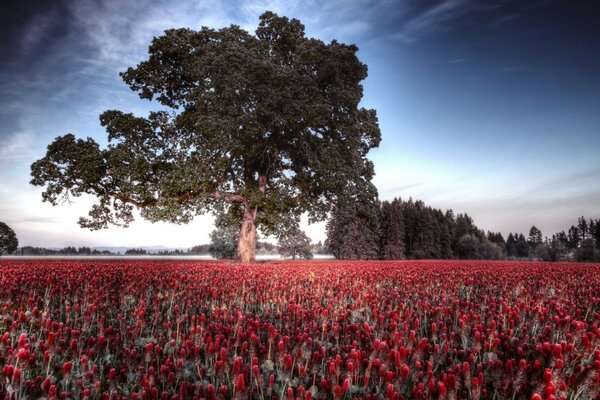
(299, 330)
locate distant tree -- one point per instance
(561, 238)
(8, 239)
(587, 251)
(296, 244)
(556, 248)
(463, 226)
(269, 123)
(86, 251)
(136, 252)
(353, 228)
(199, 249)
(467, 247)
(511, 246)
(445, 242)
(594, 230)
(496, 237)
(521, 246)
(543, 252)
(266, 248)
(583, 228)
(422, 230)
(319, 248)
(426, 241)
(69, 250)
(488, 250)
(534, 238)
(223, 241)
(392, 230)
(573, 238)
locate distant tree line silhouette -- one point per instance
(65, 251)
(262, 248)
(397, 229)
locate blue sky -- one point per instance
(489, 108)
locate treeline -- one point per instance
(65, 251)
(397, 229)
(581, 243)
(262, 248)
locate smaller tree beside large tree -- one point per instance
(8, 239)
(353, 228)
(223, 242)
(296, 244)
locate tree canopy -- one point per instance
(8, 239)
(223, 242)
(259, 127)
(296, 244)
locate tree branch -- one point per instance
(217, 194)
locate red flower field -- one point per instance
(333, 330)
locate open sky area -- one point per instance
(485, 107)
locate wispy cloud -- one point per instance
(120, 32)
(35, 31)
(444, 14)
(433, 19)
(15, 148)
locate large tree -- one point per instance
(8, 239)
(263, 127)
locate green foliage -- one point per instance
(223, 242)
(587, 251)
(392, 230)
(353, 229)
(136, 252)
(8, 239)
(467, 247)
(294, 243)
(535, 237)
(262, 127)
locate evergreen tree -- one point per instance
(353, 228)
(582, 227)
(521, 247)
(557, 247)
(392, 230)
(534, 238)
(573, 238)
(511, 246)
(595, 231)
(410, 225)
(425, 233)
(463, 226)
(587, 251)
(561, 238)
(446, 241)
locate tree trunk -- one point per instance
(246, 248)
